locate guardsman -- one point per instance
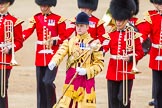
(148, 46)
(151, 27)
(96, 28)
(109, 21)
(11, 40)
(85, 61)
(50, 30)
(125, 49)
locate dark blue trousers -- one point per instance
(157, 84)
(115, 93)
(4, 100)
(46, 94)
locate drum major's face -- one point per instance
(81, 28)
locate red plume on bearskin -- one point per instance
(91, 4)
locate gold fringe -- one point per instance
(84, 101)
(76, 95)
(80, 94)
(92, 96)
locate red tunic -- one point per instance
(54, 25)
(17, 33)
(96, 28)
(133, 20)
(152, 26)
(116, 46)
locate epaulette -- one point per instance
(18, 21)
(31, 22)
(38, 14)
(147, 17)
(61, 20)
(140, 21)
(100, 22)
(113, 28)
(106, 36)
(72, 20)
(137, 35)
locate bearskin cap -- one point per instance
(157, 1)
(11, 1)
(91, 4)
(46, 2)
(122, 9)
(82, 18)
(151, 1)
(137, 7)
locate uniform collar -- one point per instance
(83, 36)
(3, 15)
(158, 12)
(123, 30)
(46, 14)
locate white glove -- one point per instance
(51, 65)
(81, 71)
(105, 42)
(94, 43)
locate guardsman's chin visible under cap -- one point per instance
(82, 18)
(157, 2)
(46, 2)
(4, 1)
(122, 9)
(91, 4)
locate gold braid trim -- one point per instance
(18, 21)
(80, 94)
(61, 20)
(72, 20)
(100, 22)
(137, 35)
(31, 22)
(147, 17)
(76, 95)
(90, 97)
(139, 21)
(106, 36)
